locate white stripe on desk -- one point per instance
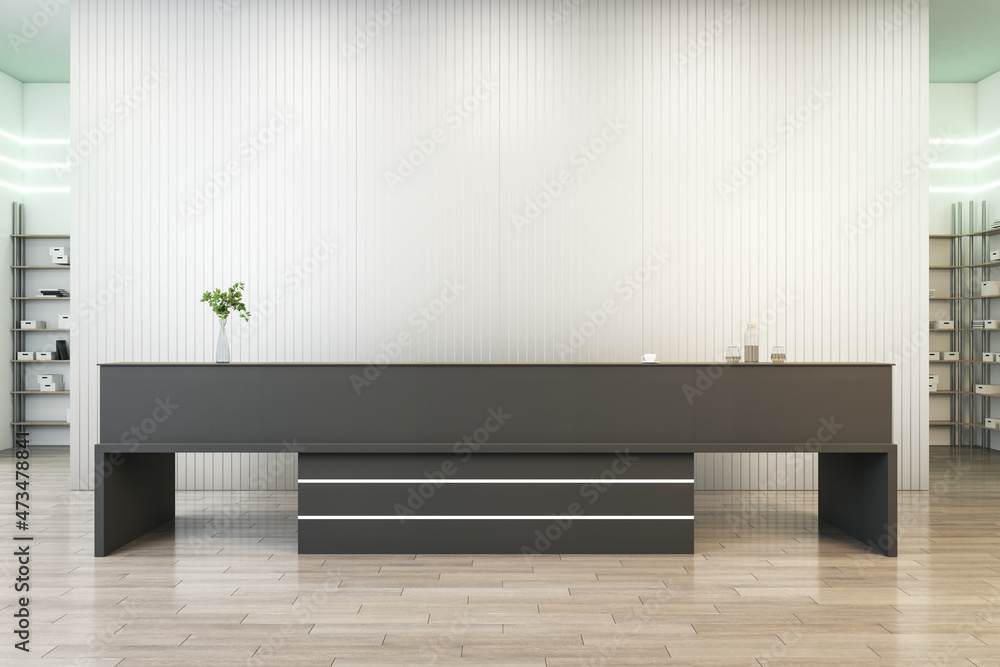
(424, 480)
(477, 517)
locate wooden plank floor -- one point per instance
(766, 587)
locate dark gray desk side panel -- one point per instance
(857, 494)
(133, 494)
(565, 403)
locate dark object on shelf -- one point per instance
(62, 349)
(45, 291)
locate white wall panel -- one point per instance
(11, 185)
(988, 181)
(46, 117)
(987, 93)
(611, 127)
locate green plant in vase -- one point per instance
(223, 304)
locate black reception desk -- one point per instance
(495, 458)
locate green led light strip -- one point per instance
(967, 142)
(34, 165)
(970, 190)
(966, 165)
(22, 189)
(30, 142)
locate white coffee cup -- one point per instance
(648, 358)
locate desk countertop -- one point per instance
(483, 363)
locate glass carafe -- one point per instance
(750, 347)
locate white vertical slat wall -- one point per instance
(589, 180)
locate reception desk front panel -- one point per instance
(515, 403)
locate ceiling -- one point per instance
(964, 43)
(965, 46)
(34, 42)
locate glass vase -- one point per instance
(750, 349)
(222, 345)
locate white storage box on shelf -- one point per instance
(995, 255)
(53, 386)
(935, 356)
(50, 379)
(25, 356)
(988, 389)
(44, 356)
(32, 324)
(992, 422)
(988, 357)
(989, 288)
(950, 356)
(932, 386)
(59, 255)
(943, 324)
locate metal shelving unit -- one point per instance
(968, 265)
(20, 393)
